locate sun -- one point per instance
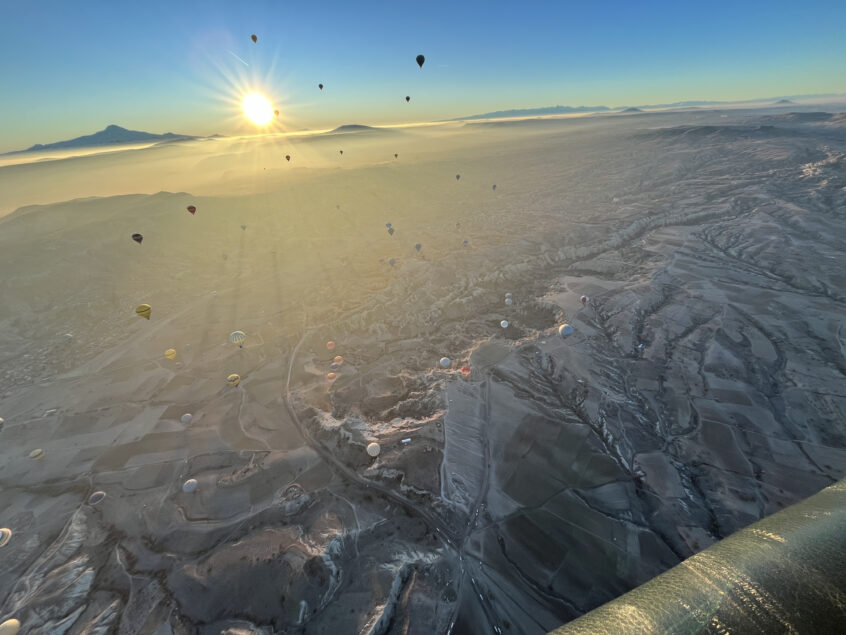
(257, 109)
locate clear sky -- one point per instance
(70, 68)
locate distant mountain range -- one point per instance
(560, 110)
(109, 136)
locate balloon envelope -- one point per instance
(96, 497)
(407, 98)
(584, 300)
(170, 353)
(373, 449)
(504, 324)
(238, 337)
(330, 345)
(565, 330)
(508, 301)
(465, 370)
(186, 418)
(287, 157)
(191, 209)
(494, 187)
(331, 376)
(320, 86)
(144, 311)
(388, 225)
(457, 176)
(37, 454)
(254, 38)
(445, 362)
(234, 379)
(391, 231)
(5, 536)
(420, 60)
(338, 359)
(137, 238)
(190, 485)
(392, 262)
(244, 227)
(10, 627)
(418, 246)
(334, 365)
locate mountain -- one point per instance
(109, 136)
(526, 112)
(632, 109)
(785, 102)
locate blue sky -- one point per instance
(70, 68)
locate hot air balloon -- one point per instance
(445, 362)
(234, 379)
(392, 262)
(191, 209)
(138, 238)
(96, 497)
(465, 370)
(457, 177)
(407, 99)
(190, 486)
(37, 454)
(10, 627)
(466, 242)
(494, 187)
(186, 418)
(238, 337)
(584, 299)
(244, 227)
(144, 311)
(276, 112)
(5, 536)
(338, 359)
(331, 376)
(391, 231)
(334, 365)
(341, 151)
(565, 330)
(254, 38)
(504, 324)
(388, 225)
(508, 301)
(420, 60)
(2, 421)
(320, 86)
(170, 353)
(418, 246)
(287, 157)
(373, 449)
(509, 295)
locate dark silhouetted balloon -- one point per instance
(388, 225)
(391, 231)
(418, 246)
(420, 60)
(244, 227)
(494, 187)
(407, 98)
(287, 157)
(254, 37)
(191, 209)
(457, 177)
(396, 156)
(137, 238)
(320, 86)
(466, 242)
(341, 151)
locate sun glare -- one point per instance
(257, 109)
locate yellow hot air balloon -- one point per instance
(144, 311)
(331, 376)
(37, 454)
(338, 359)
(233, 379)
(10, 627)
(170, 353)
(238, 338)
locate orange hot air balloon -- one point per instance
(191, 209)
(338, 359)
(276, 112)
(330, 345)
(331, 376)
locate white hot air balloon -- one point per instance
(508, 301)
(190, 486)
(565, 330)
(238, 338)
(504, 324)
(373, 449)
(186, 418)
(508, 295)
(445, 362)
